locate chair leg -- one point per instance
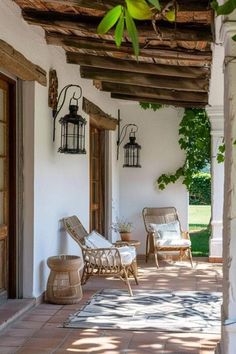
(147, 247)
(134, 273)
(190, 257)
(127, 282)
(156, 258)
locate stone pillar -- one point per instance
(216, 116)
(228, 344)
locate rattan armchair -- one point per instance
(99, 261)
(162, 216)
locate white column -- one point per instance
(228, 344)
(216, 116)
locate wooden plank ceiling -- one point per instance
(173, 68)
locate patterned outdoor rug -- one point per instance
(150, 310)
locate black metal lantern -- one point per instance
(72, 125)
(132, 152)
(132, 148)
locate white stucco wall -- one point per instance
(158, 136)
(60, 182)
(57, 185)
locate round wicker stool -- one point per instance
(63, 286)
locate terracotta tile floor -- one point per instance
(38, 331)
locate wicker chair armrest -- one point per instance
(185, 235)
(121, 244)
(105, 257)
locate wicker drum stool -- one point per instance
(63, 286)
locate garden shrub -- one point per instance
(200, 189)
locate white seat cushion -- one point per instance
(95, 240)
(173, 243)
(127, 254)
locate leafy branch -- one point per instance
(195, 140)
(153, 106)
(123, 18)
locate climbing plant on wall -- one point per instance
(195, 140)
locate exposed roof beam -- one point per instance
(88, 26)
(164, 102)
(146, 80)
(150, 92)
(101, 46)
(133, 66)
(98, 7)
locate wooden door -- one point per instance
(97, 179)
(4, 187)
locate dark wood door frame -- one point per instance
(12, 242)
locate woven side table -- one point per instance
(64, 286)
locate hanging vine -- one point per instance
(195, 140)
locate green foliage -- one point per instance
(153, 106)
(200, 189)
(123, 16)
(221, 153)
(132, 32)
(200, 242)
(110, 19)
(139, 9)
(195, 140)
(225, 9)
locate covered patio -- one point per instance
(56, 44)
(39, 330)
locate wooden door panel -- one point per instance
(96, 180)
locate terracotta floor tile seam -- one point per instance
(61, 344)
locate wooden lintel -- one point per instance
(164, 102)
(136, 67)
(149, 92)
(88, 26)
(146, 80)
(99, 118)
(17, 64)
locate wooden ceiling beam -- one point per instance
(136, 67)
(101, 46)
(150, 92)
(146, 80)
(187, 11)
(164, 102)
(88, 26)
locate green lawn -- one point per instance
(199, 217)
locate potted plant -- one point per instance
(124, 228)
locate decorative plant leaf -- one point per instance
(170, 15)
(119, 30)
(139, 9)
(110, 19)
(132, 32)
(234, 38)
(225, 9)
(155, 3)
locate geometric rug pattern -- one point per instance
(150, 310)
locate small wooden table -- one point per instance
(134, 243)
